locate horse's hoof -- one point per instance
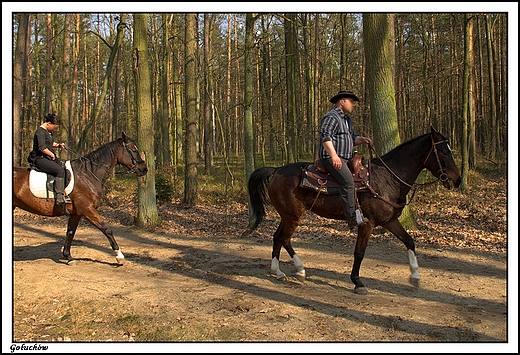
(300, 277)
(120, 257)
(414, 281)
(361, 290)
(281, 277)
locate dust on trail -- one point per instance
(213, 285)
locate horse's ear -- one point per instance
(125, 137)
(433, 130)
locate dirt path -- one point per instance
(215, 286)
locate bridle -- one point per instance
(133, 168)
(443, 176)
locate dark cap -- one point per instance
(344, 94)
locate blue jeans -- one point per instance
(344, 177)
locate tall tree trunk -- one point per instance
(177, 68)
(227, 108)
(248, 98)
(165, 96)
(316, 98)
(66, 87)
(290, 82)
(471, 101)
(48, 64)
(208, 127)
(116, 82)
(73, 121)
(267, 85)
(378, 39)
(235, 137)
(190, 148)
(249, 153)
(147, 214)
(465, 104)
(492, 122)
(19, 82)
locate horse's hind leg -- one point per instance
(94, 218)
(397, 229)
(72, 225)
(282, 237)
(364, 233)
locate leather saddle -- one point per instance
(316, 177)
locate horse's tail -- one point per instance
(258, 198)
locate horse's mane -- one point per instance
(97, 157)
(403, 146)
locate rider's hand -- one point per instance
(336, 162)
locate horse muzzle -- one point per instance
(140, 172)
(457, 182)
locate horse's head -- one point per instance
(440, 161)
(131, 158)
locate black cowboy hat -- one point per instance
(344, 93)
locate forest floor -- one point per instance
(196, 280)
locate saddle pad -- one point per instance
(38, 183)
(317, 180)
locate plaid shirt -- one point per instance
(337, 127)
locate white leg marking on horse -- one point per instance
(120, 258)
(275, 269)
(300, 271)
(414, 266)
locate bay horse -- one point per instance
(90, 173)
(391, 178)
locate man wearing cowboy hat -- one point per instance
(337, 141)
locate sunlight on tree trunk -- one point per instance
(147, 214)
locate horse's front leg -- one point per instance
(98, 221)
(72, 225)
(397, 229)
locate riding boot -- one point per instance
(352, 223)
(59, 187)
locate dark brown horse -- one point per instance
(391, 178)
(90, 173)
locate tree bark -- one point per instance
(249, 153)
(378, 39)
(190, 163)
(290, 82)
(465, 104)
(19, 82)
(147, 214)
(208, 126)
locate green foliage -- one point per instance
(164, 188)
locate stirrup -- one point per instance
(360, 219)
(66, 199)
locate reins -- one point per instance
(87, 159)
(414, 186)
(132, 170)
